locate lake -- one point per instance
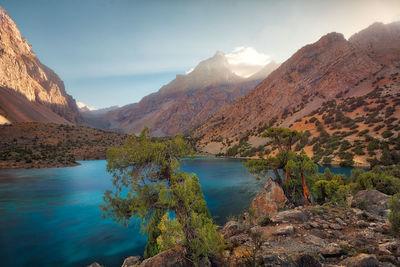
(51, 217)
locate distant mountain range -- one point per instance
(212, 103)
(29, 91)
(186, 101)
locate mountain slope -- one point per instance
(21, 71)
(186, 101)
(331, 67)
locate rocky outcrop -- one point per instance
(310, 236)
(172, 257)
(132, 261)
(269, 200)
(22, 72)
(318, 72)
(372, 201)
(361, 260)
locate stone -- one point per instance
(269, 200)
(281, 260)
(361, 260)
(372, 201)
(290, 216)
(232, 228)
(314, 240)
(284, 230)
(132, 261)
(335, 226)
(332, 250)
(307, 261)
(172, 257)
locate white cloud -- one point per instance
(82, 105)
(245, 60)
(189, 71)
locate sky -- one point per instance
(114, 52)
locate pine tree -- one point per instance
(148, 185)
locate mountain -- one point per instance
(186, 101)
(331, 68)
(30, 82)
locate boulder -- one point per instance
(172, 257)
(132, 261)
(269, 200)
(331, 250)
(307, 261)
(285, 230)
(282, 260)
(361, 260)
(290, 216)
(372, 201)
(232, 228)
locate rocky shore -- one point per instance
(274, 235)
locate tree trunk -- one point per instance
(306, 192)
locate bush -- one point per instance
(394, 216)
(387, 134)
(265, 221)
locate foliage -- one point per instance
(295, 167)
(147, 185)
(328, 187)
(378, 179)
(394, 216)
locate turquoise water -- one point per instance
(51, 217)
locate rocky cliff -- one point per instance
(186, 101)
(330, 68)
(22, 72)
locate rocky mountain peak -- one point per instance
(21, 71)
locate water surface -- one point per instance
(51, 217)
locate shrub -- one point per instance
(394, 216)
(265, 221)
(387, 134)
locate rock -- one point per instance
(21, 72)
(361, 260)
(94, 264)
(269, 200)
(332, 250)
(285, 230)
(372, 201)
(307, 261)
(314, 240)
(278, 260)
(232, 228)
(339, 221)
(290, 216)
(335, 226)
(132, 261)
(172, 257)
(239, 239)
(314, 224)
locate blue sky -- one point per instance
(114, 52)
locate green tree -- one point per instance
(394, 216)
(148, 184)
(294, 167)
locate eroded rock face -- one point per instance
(269, 200)
(316, 72)
(372, 201)
(132, 261)
(361, 260)
(21, 71)
(172, 257)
